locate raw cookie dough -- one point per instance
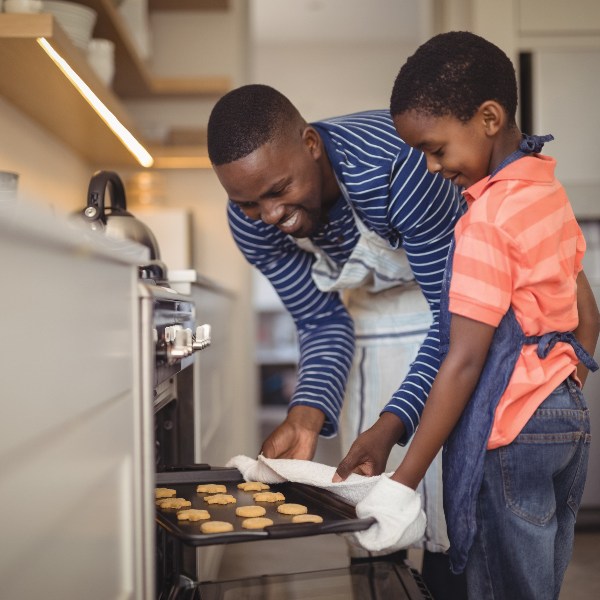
(250, 511)
(173, 503)
(211, 488)
(193, 514)
(252, 486)
(256, 523)
(216, 527)
(306, 518)
(292, 509)
(164, 493)
(220, 499)
(269, 497)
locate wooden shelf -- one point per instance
(34, 84)
(133, 78)
(165, 5)
(180, 157)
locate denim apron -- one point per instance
(465, 450)
(391, 318)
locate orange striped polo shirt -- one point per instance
(519, 245)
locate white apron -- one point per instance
(391, 318)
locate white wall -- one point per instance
(50, 174)
(328, 79)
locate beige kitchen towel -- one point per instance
(278, 470)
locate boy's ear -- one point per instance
(493, 116)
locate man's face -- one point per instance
(459, 151)
(280, 183)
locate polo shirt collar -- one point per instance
(536, 169)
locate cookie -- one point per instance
(220, 499)
(252, 486)
(250, 511)
(306, 518)
(164, 493)
(193, 514)
(216, 527)
(292, 509)
(173, 503)
(211, 488)
(269, 497)
(256, 523)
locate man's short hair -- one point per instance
(245, 119)
(452, 74)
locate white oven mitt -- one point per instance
(278, 470)
(400, 518)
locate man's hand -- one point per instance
(369, 453)
(297, 436)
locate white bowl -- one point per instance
(77, 20)
(22, 6)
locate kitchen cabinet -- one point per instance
(70, 445)
(32, 82)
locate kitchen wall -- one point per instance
(330, 60)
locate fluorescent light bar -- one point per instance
(140, 153)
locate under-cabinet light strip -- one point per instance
(140, 153)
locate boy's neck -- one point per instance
(506, 143)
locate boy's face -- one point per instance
(459, 151)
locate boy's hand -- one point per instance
(369, 453)
(400, 520)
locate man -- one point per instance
(352, 231)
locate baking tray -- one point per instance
(338, 516)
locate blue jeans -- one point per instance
(528, 503)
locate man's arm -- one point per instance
(325, 336)
(424, 210)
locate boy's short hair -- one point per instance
(452, 74)
(245, 119)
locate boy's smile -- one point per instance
(459, 151)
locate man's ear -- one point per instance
(493, 117)
(312, 141)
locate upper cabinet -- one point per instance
(33, 82)
(558, 18)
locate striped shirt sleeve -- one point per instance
(325, 330)
(423, 209)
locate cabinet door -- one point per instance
(558, 16)
(69, 462)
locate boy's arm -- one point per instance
(456, 380)
(589, 321)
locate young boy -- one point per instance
(507, 399)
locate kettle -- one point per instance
(117, 222)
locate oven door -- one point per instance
(376, 579)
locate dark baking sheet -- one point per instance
(338, 517)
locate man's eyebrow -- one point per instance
(274, 187)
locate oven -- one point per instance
(172, 347)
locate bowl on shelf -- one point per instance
(77, 20)
(101, 57)
(22, 6)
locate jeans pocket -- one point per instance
(529, 466)
(580, 475)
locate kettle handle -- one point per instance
(95, 209)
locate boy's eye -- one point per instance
(437, 152)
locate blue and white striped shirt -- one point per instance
(395, 196)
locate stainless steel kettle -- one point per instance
(114, 219)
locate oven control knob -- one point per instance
(202, 337)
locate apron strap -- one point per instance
(529, 144)
(546, 342)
